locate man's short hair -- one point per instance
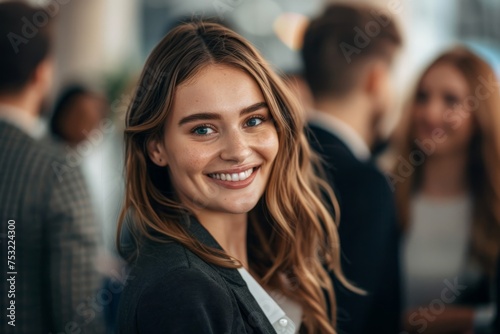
(340, 41)
(25, 41)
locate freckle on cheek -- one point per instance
(269, 139)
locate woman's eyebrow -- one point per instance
(198, 117)
(214, 116)
(253, 107)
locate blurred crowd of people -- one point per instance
(421, 238)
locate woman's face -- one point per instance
(441, 112)
(220, 141)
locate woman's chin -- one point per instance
(238, 207)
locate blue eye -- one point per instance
(254, 121)
(203, 130)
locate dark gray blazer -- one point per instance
(171, 290)
(54, 244)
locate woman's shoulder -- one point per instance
(186, 300)
(167, 279)
(184, 284)
(167, 264)
(158, 259)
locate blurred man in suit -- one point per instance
(48, 237)
(347, 55)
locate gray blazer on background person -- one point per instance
(49, 238)
(55, 239)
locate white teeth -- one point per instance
(233, 177)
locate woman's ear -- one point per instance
(157, 153)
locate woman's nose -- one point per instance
(432, 112)
(236, 146)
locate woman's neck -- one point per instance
(229, 230)
(445, 175)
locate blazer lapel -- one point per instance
(247, 303)
(251, 310)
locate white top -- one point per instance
(343, 131)
(435, 249)
(284, 314)
(292, 309)
(29, 124)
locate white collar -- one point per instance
(29, 124)
(273, 312)
(344, 131)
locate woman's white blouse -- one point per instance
(284, 314)
(435, 249)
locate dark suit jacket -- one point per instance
(369, 239)
(171, 290)
(496, 324)
(56, 239)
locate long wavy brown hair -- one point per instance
(484, 156)
(292, 237)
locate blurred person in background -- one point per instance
(77, 113)
(231, 235)
(349, 72)
(448, 195)
(53, 244)
(80, 127)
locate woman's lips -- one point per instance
(234, 180)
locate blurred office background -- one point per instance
(104, 43)
(111, 37)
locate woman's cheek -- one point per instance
(267, 140)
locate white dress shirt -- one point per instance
(24, 121)
(344, 132)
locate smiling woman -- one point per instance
(223, 200)
(219, 125)
(449, 206)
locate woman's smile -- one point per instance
(235, 179)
